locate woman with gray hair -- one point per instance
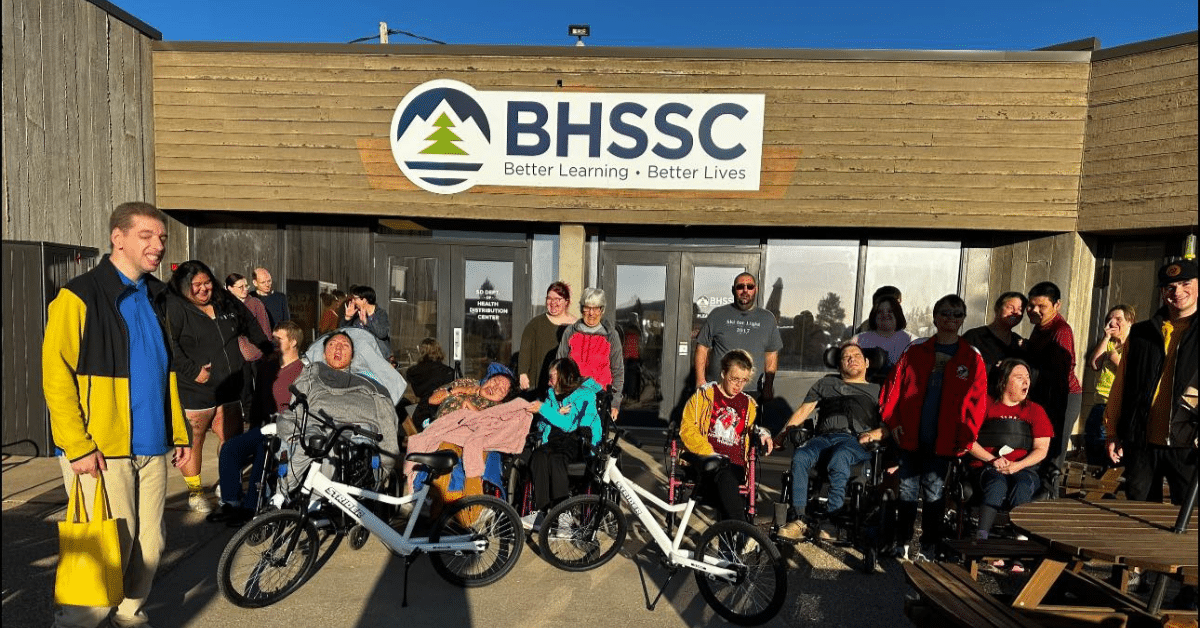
(595, 346)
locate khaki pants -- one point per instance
(137, 493)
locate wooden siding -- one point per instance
(340, 253)
(1139, 165)
(964, 144)
(78, 127)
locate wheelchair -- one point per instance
(868, 517)
(581, 473)
(682, 477)
(963, 492)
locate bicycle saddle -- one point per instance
(704, 464)
(442, 460)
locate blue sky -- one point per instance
(929, 25)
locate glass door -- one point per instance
(641, 288)
(657, 302)
(706, 283)
(486, 284)
(412, 278)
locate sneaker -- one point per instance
(928, 554)
(198, 502)
(532, 521)
(565, 527)
(793, 531)
(901, 551)
(1017, 567)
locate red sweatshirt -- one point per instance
(964, 397)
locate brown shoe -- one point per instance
(793, 531)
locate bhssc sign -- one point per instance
(447, 137)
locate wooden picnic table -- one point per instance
(1133, 534)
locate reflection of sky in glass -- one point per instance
(498, 273)
(545, 269)
(810, 269)
(648, 283)
(712, 286)
(923, 271)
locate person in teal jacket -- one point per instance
(568, 421)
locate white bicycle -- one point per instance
(738, 569)
(476, 541)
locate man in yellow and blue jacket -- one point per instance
(114, 402)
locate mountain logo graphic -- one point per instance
(440, 136)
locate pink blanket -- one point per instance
(500, 428)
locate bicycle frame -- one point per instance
(320, 487)
(632, 494)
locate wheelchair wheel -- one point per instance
(478, 517)
(870, 559)
(268, 559)
(759, 590)
(582, 533)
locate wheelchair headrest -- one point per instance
(875, 358)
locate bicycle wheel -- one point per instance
(582, 533)
(478, 517)
(758, 592)
(268, 559)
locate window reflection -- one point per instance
(640, 302)
(543, 270)
(810, 286)
(923, 271)
(412, 304)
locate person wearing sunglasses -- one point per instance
(1051, 352)
(932, 405)
(740, 325)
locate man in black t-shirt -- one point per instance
(847, 405)
(997, 340)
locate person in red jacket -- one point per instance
(932, 406)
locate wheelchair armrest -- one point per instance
(797, 436)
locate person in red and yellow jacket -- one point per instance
(932, 406)
(114, 401)
(718, 420)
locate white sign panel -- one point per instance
(447, 137)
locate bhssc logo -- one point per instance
(440, 136)
(447, 137)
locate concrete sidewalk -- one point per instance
(362, 588)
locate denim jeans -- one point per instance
(846, 453)
(235, 453)
(1000, 490)
(1095, 437)
(922, 475)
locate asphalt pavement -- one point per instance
(362, 588)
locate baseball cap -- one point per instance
(1181, 270)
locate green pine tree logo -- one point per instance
(443, 139)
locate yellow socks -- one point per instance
(193, 483)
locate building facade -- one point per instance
(938, 172)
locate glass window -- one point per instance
(412, 304)
(640, 301)
(810, 286)
(543, 270)
(923, 271)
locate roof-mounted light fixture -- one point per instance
(579, 31)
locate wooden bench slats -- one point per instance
(958, 598)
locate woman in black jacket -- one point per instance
(204, 321)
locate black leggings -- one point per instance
(722, 490)
(548, 464)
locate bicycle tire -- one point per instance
(593, 535)
(761, 587)
(257, 569)
(481, 517)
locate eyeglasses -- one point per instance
(745, 286)
(739, 380)
(592, 308)
(952, 313)
(555, 300)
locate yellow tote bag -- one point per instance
(89, 553)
